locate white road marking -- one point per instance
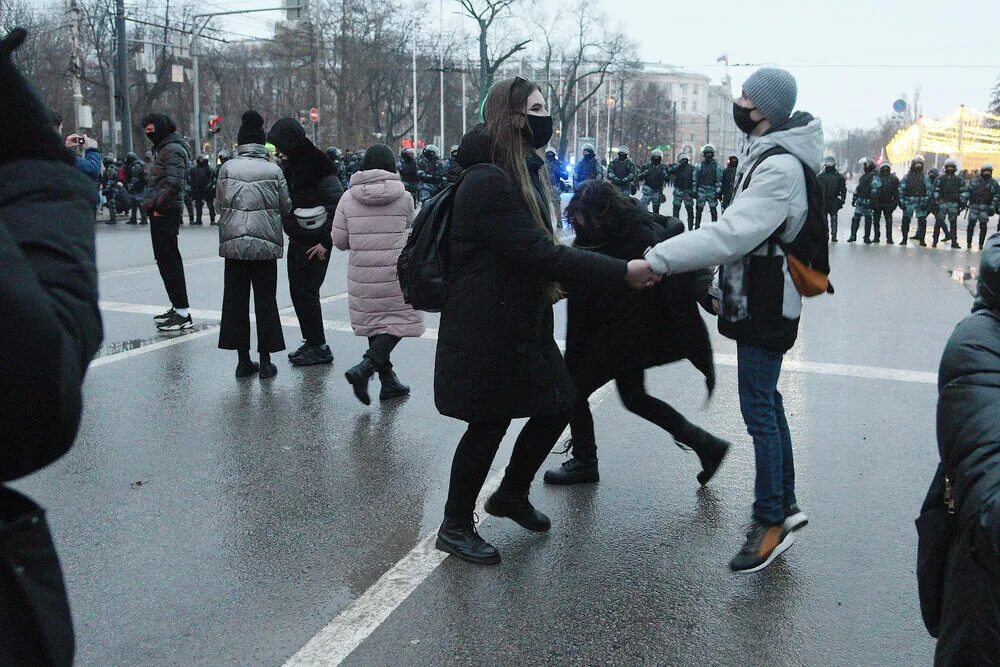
(351, 627)
(152, 347)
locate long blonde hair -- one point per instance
(507, 100)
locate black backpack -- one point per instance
(423, 263)
(808, 253)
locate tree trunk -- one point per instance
(485, 75)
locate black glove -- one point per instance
(26, 129)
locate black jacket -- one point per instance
(683, 175)
(620, 329)
(887, 194)
(728, 183)
(312, 181)
(968, 430)
(834, 189)
(496, 355)
(202, 182)
(166, 178)
(48, 289)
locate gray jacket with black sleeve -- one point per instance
(251, 197)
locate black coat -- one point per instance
(496, 354)
(968, 429)
(620, 329)
(167, 177)
(834, 189)
(312, 181)
(48, 290)
(202, 182)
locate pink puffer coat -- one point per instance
(371, 222)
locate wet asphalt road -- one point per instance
(203, 520)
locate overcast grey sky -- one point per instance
(851, 58)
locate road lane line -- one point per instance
(339, 638)
(790, 365)
(152, 347)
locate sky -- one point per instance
(852, 59)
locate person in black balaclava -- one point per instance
(729, 181)
(313, 184)
(948, 202)
(684, 191)
(588, 168)
(166, 181)
(48, 293)
(407, 168)
(834, 194)
(864, 194)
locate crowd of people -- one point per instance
(635, 281)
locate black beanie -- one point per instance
(252, 129)
(26, 129)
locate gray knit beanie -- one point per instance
(773, 91)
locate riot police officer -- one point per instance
(406, 165)
(452, 169)
(982, 196)
(863, 194)
(623, 172)
(430, 170)
(337, 158)
(834, 195)
(683, 177)
(885, 199)
(135, 183)
(654, 179)
(588, 168)
(708, 184)
(914, 198)
(729, 181)
(947, 199)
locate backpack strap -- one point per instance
(745, 180)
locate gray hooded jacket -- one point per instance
(251, 196)
(776, 196)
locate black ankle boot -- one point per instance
(711, 451)
(460, 538)
(359, 376)
(519, 509)
(580, 469)
(391, 386)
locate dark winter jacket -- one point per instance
(968, 430)
(728, 183)
(557, 173)
(683, 175)
(654, 176)
(407, 168)
(312, 181)
(202, 181)
(166, 179)
(48, 289)
(587, 169)
(135, 177)
(496, 355)
(623, 174)
(620, 329)
(834, 189)
(948, 188)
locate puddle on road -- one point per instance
(118, 347)
(967, 277)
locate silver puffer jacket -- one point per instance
(251, 195)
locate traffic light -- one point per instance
(214, 124)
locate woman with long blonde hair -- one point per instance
(497, 359)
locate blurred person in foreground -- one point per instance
(958, 568)
(48, 288)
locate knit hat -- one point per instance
(252, 129)
(774, 92)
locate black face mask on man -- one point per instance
(538, 130)
(743, 120)
(657, 160)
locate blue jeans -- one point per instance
(764, 414)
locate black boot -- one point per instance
(711, 450)
(391, 386)
(517, 508)
(359, 376)
(580, 469)
(460, 538)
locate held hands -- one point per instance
(640, 274)
(317, 251)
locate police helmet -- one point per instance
(886, 166)
(829, 161)
(708, 149)
(986, 167)
(131, 157)
(950, 162)
(431, 150)
(589, 147)
(917, 159)
(454, 148)
(623, 149)
(408, 152)
(550, 151)
(685, 158)
(334, 153)
(657, 153)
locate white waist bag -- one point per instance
(310, 218)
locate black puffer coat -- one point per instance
(496, 355)
(166, 178)
(312, 181)
(968, 426)
(621, 329)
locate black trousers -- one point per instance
(138, 207)
(886, 212)
(240, 277)
(164, 229)
(941, 225)
(632, 390)
(189, 205)
(305, 277)
(831, 217)
(199, 202)
(380, 348)
(689, 207)
(477, 449)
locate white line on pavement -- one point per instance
(352, 626)
(152, 347)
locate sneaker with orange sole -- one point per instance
(765, 542)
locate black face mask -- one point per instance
(538, 130)
(622, 157)
(918, 168)
(743, 120)
(949, 170)
(151, 136)
(831, 167)
(986, 175)
(657, 160)
(587, 155)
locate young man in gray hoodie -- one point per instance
(756, 300)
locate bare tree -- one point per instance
(488, 14)
(578, 57)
